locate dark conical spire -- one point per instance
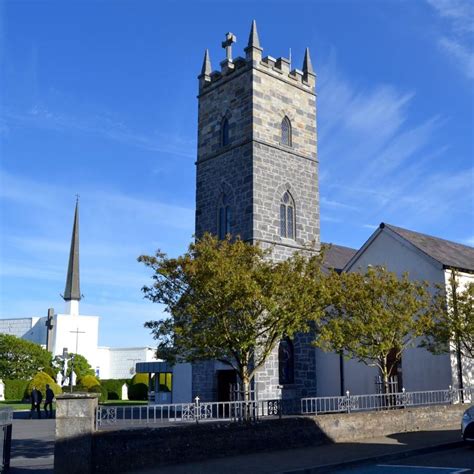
(254, 41)
(307, 66)
(72, 290)
(206, 64)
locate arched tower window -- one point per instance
(287, 216)
(286, 131)
(286, 362)
(225, 132)
(224, 217)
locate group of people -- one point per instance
(37, 398)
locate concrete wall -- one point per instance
(182, 383)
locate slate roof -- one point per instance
(450, 254)
(337, 256)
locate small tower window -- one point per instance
(286, 362)
(286, 131)
(224, 217)
(225, 132)
(287, 216)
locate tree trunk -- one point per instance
(247, 403)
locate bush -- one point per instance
(138, 391)
(88, 381)
(39, 381)
(101, 390)
(138, 388)
(114, 388)
(15, 389)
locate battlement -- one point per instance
(279, 68)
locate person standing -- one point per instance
(48, 402)
(36, 398)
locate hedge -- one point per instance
(15, 389)
(114, 388)
(39, 381)
(138, 388)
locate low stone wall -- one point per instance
(353, 426)
(124, 450)
(120, 451)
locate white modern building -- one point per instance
(75, 332)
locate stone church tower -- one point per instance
(257, 174)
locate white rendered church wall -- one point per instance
(65, 336)
(421, 370)
(123, 360)
(102, 364)
(32, 329)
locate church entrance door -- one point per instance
(225, 378)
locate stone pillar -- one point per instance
(75, 424)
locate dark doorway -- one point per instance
(224, 380)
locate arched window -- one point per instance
(224, 217)
(286, 362)
(225, 132)
(287, 216)
(286, 131)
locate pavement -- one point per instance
(32, 445)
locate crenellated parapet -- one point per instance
(278, 67)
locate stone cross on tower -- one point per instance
(49, 328)
(227, 44)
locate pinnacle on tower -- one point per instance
(253, 50)
(254, 41)
(206, 65)
(307, 66)
(72, 290)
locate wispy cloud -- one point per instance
(457, 41)
(101, 124)
(380, 164)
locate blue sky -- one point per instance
(99, 98)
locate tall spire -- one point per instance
(206, 65)
(254, 41)
(307, 66)
(72, 291)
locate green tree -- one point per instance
(79, 363)
(454, 322)
(375, 316)
(21, 359)
(227, 300)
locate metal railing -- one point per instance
(380, 401)
(185, 412)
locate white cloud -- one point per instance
(457, 41)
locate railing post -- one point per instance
(197, 410)
(348, 401)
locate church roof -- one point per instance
(336, 256)
(449, 254)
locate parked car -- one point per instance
(467, 425)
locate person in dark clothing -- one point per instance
(36, 398)
(48, 402)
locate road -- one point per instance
(450, 461)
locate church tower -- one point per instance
(257, 177)
(257, 167)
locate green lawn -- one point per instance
(15, 404)
(124, 403)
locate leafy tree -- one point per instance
(21, 359)
(227, 300)
(79, 363)
(454, 322)
(375, 316)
